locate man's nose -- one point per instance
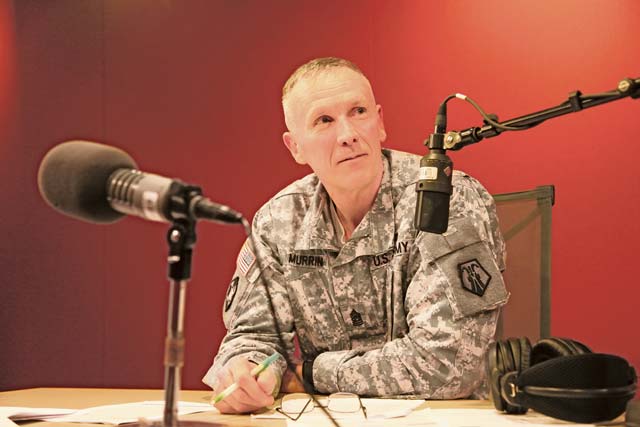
(347, 133)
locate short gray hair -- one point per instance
(313, 67)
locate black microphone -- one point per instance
(434, 181)
(98, 183)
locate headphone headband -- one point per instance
(570, 383)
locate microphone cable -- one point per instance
(290, 365)
(488, 119)
(502, 127)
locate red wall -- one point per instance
(191, 90)
(7, 71)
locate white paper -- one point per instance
(380, 410)
(129, 412)
(6, 422)
(492, 418)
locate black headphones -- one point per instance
(560, 378)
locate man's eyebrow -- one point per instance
(314, 114)
(321, 110)
(358, 102)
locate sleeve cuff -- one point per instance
(326, 369)
(307, 375)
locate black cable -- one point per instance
(290, 365)
(455, 140)
(484, 115)
(584, 98)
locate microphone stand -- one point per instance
(434, 179)
(181, 238)
(455, 140)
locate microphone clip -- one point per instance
(182, 200)
(436, 141)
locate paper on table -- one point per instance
(129, 412)
(6, 422)
(493, 418)
(433, 418)
(384, 409)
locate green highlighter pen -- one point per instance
(255, 371)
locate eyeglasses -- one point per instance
(295, 404)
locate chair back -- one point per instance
(525, 222)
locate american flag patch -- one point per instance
(246, 258)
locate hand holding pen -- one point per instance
(245, 387)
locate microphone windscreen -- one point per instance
(432, 212)
(72, 178)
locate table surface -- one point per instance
(88, 397)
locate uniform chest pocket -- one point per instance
(317, 323)
(359, 290)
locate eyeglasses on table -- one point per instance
(294, 405)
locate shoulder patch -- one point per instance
(246, 258)
(231, 293)
(475, 283)
(474, 277)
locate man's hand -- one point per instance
(252, 393)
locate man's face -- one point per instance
(336, 128)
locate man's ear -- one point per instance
(383, 133)
(294, 149)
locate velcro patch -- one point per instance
(246, 258)
(475, 282)
(231, 293)
(309, 261)
(474, 277)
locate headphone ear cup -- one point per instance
(519, 350)
(575, 347)
(495, 369)
(507, 356)
(550, 348)
(580, 347)
(503, 357)
(525, 353)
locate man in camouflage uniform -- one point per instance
(378, 308)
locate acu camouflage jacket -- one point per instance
(390, 312)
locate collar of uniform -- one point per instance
(317, 231)
(375, 232)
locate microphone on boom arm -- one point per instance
(434, 181)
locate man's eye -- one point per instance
(323, 119)
(360, 110)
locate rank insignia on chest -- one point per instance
(356, 318)
(474, 277)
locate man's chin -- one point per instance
(356, 179)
